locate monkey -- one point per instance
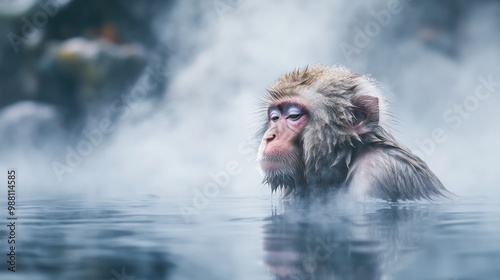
(327, 128)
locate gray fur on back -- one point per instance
(391, 172)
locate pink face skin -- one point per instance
(286, 120)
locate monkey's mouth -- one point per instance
(269, 163)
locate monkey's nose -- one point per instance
(270, 137)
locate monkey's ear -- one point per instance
(366, 113)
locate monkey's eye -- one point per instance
(274, 115)
(294, 117)
(294, 113)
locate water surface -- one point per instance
(242, 237)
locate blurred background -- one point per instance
(127, 97)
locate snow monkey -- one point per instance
(325, 128)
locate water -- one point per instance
(246, 237)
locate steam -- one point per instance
(223, 62)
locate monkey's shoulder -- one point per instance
(392, 173)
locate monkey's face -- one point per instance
(280, 152)
(314, 117)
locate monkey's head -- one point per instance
(314, 120)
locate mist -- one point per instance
(224, 55)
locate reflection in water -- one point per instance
(243, 237)
(336, 243)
